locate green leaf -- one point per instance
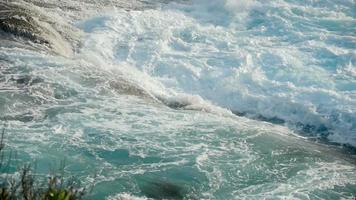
(62, 195)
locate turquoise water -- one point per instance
(193, 100)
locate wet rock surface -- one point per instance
(17, 21)
(25, 23)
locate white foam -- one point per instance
(197, 57)
(185, 53)
(126, 196)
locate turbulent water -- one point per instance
(196, 99)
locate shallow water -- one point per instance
(146, 105)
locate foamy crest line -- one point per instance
(232, 55)
(126, 196)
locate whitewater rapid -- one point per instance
(261, 60)
(197, 99)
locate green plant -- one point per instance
(28, 187)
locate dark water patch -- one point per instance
(118, 157)
(5, 68)
(312, 130)
(348, 149)
(61, 92)
(308, 130)
(123, 157)
(257, 18)
(25, 117)
(4, 61)
(9, 68)
(53, 112)
(285, 158)
(26, 80)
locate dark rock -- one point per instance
(273, 120)
(174, 103)
(163, 190)
(124, 87)
(177, 104)
(18, 21)
(33, 25)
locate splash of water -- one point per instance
(108, 107)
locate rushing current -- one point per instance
(190, 99)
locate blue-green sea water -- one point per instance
(220, 99)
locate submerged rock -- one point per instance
(163, 190)
(125, 87)
(175, 104)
